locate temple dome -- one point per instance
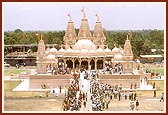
(76, 51)
(84, 44)
(92, 51)
(50, 57)
(53, 50)
(84, 51)
(69, 50)
(107, 50)
(100, 50)
(118, 57)
(61, 50)
(115, 50)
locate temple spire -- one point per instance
(98, 34)
(127, 37)
(84, 30)
(70, 34)
(128, 49)
(41, 37)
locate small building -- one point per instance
(151, 58)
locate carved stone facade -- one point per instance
(85, 51)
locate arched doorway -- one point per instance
(84, 65)
(69, 64)
(100, 64)
(92, 63)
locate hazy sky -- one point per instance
(53, 16)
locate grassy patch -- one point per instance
(159, 70)
(10, 85)
(14, 71)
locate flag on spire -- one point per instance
(96, 14)
(69, 14)
(82, 10)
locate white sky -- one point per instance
(53, 16)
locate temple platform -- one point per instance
(50, 81)
(121, 79)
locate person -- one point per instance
(119, 96)
(132, 105)
(162, 97)
(84, 103)
(154, 85)
(135, 95)
(137, 104)
(154, 93)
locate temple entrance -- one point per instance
(69, 64)
(84, 65)
(100, 64)
(76, 63)
(92, 63)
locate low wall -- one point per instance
(125, 80)
(35, 81)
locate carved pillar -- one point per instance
(95, 63)
(73, 60)
(103, 63)
(89, 64)
(80, 63)
(64, 63)
(56, 66)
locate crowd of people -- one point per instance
(116, 69)
(75, 98)
(100, 94)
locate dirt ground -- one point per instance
(33, 104)
(54, 104)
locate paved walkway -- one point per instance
(86, 89)
(23, 86)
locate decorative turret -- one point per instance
(84, 30)
(41, 47)
(98, 35)
(128, 55)
(41, 57)
(70, 35)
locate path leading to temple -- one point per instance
(86, 88)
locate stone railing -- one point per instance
(124, 76)
(50, 76)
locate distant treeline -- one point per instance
(142, 41)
